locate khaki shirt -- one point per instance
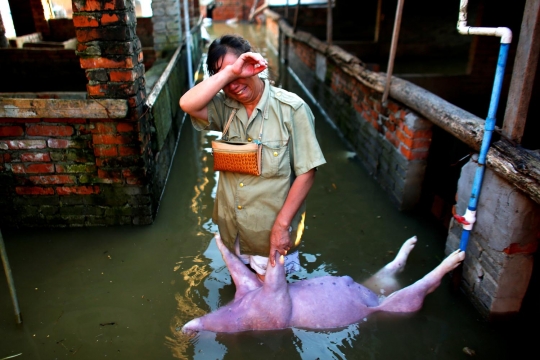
(246, 206)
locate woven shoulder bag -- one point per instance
(237, 156)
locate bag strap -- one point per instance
(226, 128)
(265, 116)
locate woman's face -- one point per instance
(244, 90)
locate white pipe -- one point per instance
(188, 43)
(504, 33)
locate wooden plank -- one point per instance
(63, 108)
(523, 74)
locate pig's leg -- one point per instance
(412, 297)
(275, 304)
(244, 279)
(384, 281)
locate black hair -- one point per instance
(231, 43)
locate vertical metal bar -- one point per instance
(395, 35)
(7, 269)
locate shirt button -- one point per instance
(239, 207)
(241, 184)
(278, 94)
(249, 139)
(275, 153)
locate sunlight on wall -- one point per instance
(6, 18)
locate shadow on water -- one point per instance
(124, 292)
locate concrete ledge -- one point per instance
(63, 108)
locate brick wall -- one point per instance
(229, 9)
(392, 142)
(72, 172)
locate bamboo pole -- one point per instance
(296, 16)
(329, 23)
(395, 36)
(7, 269)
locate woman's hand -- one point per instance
(280, 241)
(249, 64)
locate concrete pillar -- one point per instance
(499, 256)
(166, 17)
(110, 51)
(25, 24)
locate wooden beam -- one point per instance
(63, 108)
(508, 161)
(523, 74)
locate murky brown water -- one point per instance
(123, 292)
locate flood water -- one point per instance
(124, 292)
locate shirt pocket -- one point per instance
(275, 159)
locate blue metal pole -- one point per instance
(468, 219)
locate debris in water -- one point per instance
(10, 357)
(469, 351)
(105, 324)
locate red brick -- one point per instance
(392, 138)
(52, 179)
(104, 63)
(11, 131)
(61, 143)
(404, 138)
(79, 190)
(35, 157)
(85, 21)
(418, 134)
(105, 151)
(112, 139)
(98, 5)
(119, 76)
(76, 168)
(104, 128)
(125, 127)
(413, 155)
(126, 150)
(97, 90)
(107, 19)
(33, 190)
(419, 144)
(112, 175)
(49, 130)
(32, 168)
(26, 144)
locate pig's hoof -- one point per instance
(398, 264)
(453, 260)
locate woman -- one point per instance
(257, 215)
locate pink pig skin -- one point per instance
(318, 303)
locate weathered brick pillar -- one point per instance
(3, 40)
(499, 255)
(111, 54)
(166, 17)
(110, 51)
(25, 24)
